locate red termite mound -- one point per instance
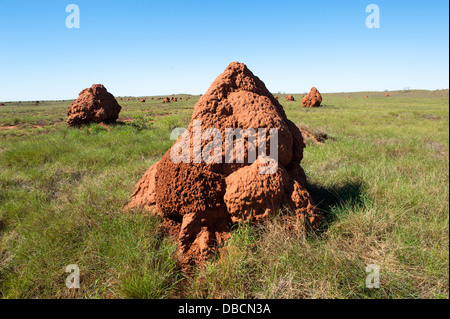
(94, 104)
(312, 99)
(289, 98)
(199, 201)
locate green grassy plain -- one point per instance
(381, 179)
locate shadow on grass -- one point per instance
(347, 194)
(2, 226)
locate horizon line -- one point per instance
(273, 93)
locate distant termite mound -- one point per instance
(312, 99)
(93, 105)
(199, 199)
(289, 98)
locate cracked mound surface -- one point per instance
(312, 99)
(200, 201)
(93, 105)
(253, 196)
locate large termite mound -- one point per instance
(312, 99)
(199, 198)
(93, 105)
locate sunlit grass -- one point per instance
(381, 179)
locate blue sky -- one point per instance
(164, 47)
